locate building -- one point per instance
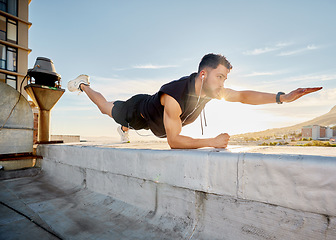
(317, 132)
(14, 26)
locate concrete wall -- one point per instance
(216, 195)
(16, 136)
(65, 138)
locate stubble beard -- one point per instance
(212, 93)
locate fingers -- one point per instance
(221, 141)
(310, 90)
(298, 93)
(225, 139)
(225, 135)
(304, 91)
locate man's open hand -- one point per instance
(293, 95)
(221, 141)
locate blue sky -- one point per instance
(130, 47)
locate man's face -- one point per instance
(214, 81)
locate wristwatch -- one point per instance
(278, 97)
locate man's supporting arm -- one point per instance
(173, 127)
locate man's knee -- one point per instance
(107, 108)
(103, 110)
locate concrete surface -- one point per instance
(28, 172)
(17, 134)
(64, 211)
(163, 145)
(58, 210)
(89, 191)
(287, 150)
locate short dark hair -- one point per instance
(213, 60)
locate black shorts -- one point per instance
(127, 113)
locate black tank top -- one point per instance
(183, 91)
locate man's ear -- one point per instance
(203, 74)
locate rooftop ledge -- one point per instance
(244, 192)
(284, 178)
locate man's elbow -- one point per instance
(172, 144)
(242, 98)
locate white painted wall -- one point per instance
(315, 132)
(329, 132)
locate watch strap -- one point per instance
(277, 98)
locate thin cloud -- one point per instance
(104, 79)
(144, 66)
(328, 77)
(122, 87)
(286, 83)
(298, 51)
(283, 44)
(151, 66)
(308, 78)
(257, 74)
(259, 51)
(289, 84)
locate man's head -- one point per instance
(213, 70)
(212, 60)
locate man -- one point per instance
(180, 102)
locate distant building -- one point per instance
(317, 132)
(14, 26)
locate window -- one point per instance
(9, 6)
(12, 31)
(3, 5)
(11, 59)
(8, 58)
(3, 55)
(8, 29)
(11, 81)
(3, 27)
(12, 7)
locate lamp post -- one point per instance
(45, 92)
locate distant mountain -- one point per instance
(328, 119)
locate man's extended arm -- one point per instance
(173, 127)
(256, 98)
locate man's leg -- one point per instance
(97, 98)
(81, 83)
